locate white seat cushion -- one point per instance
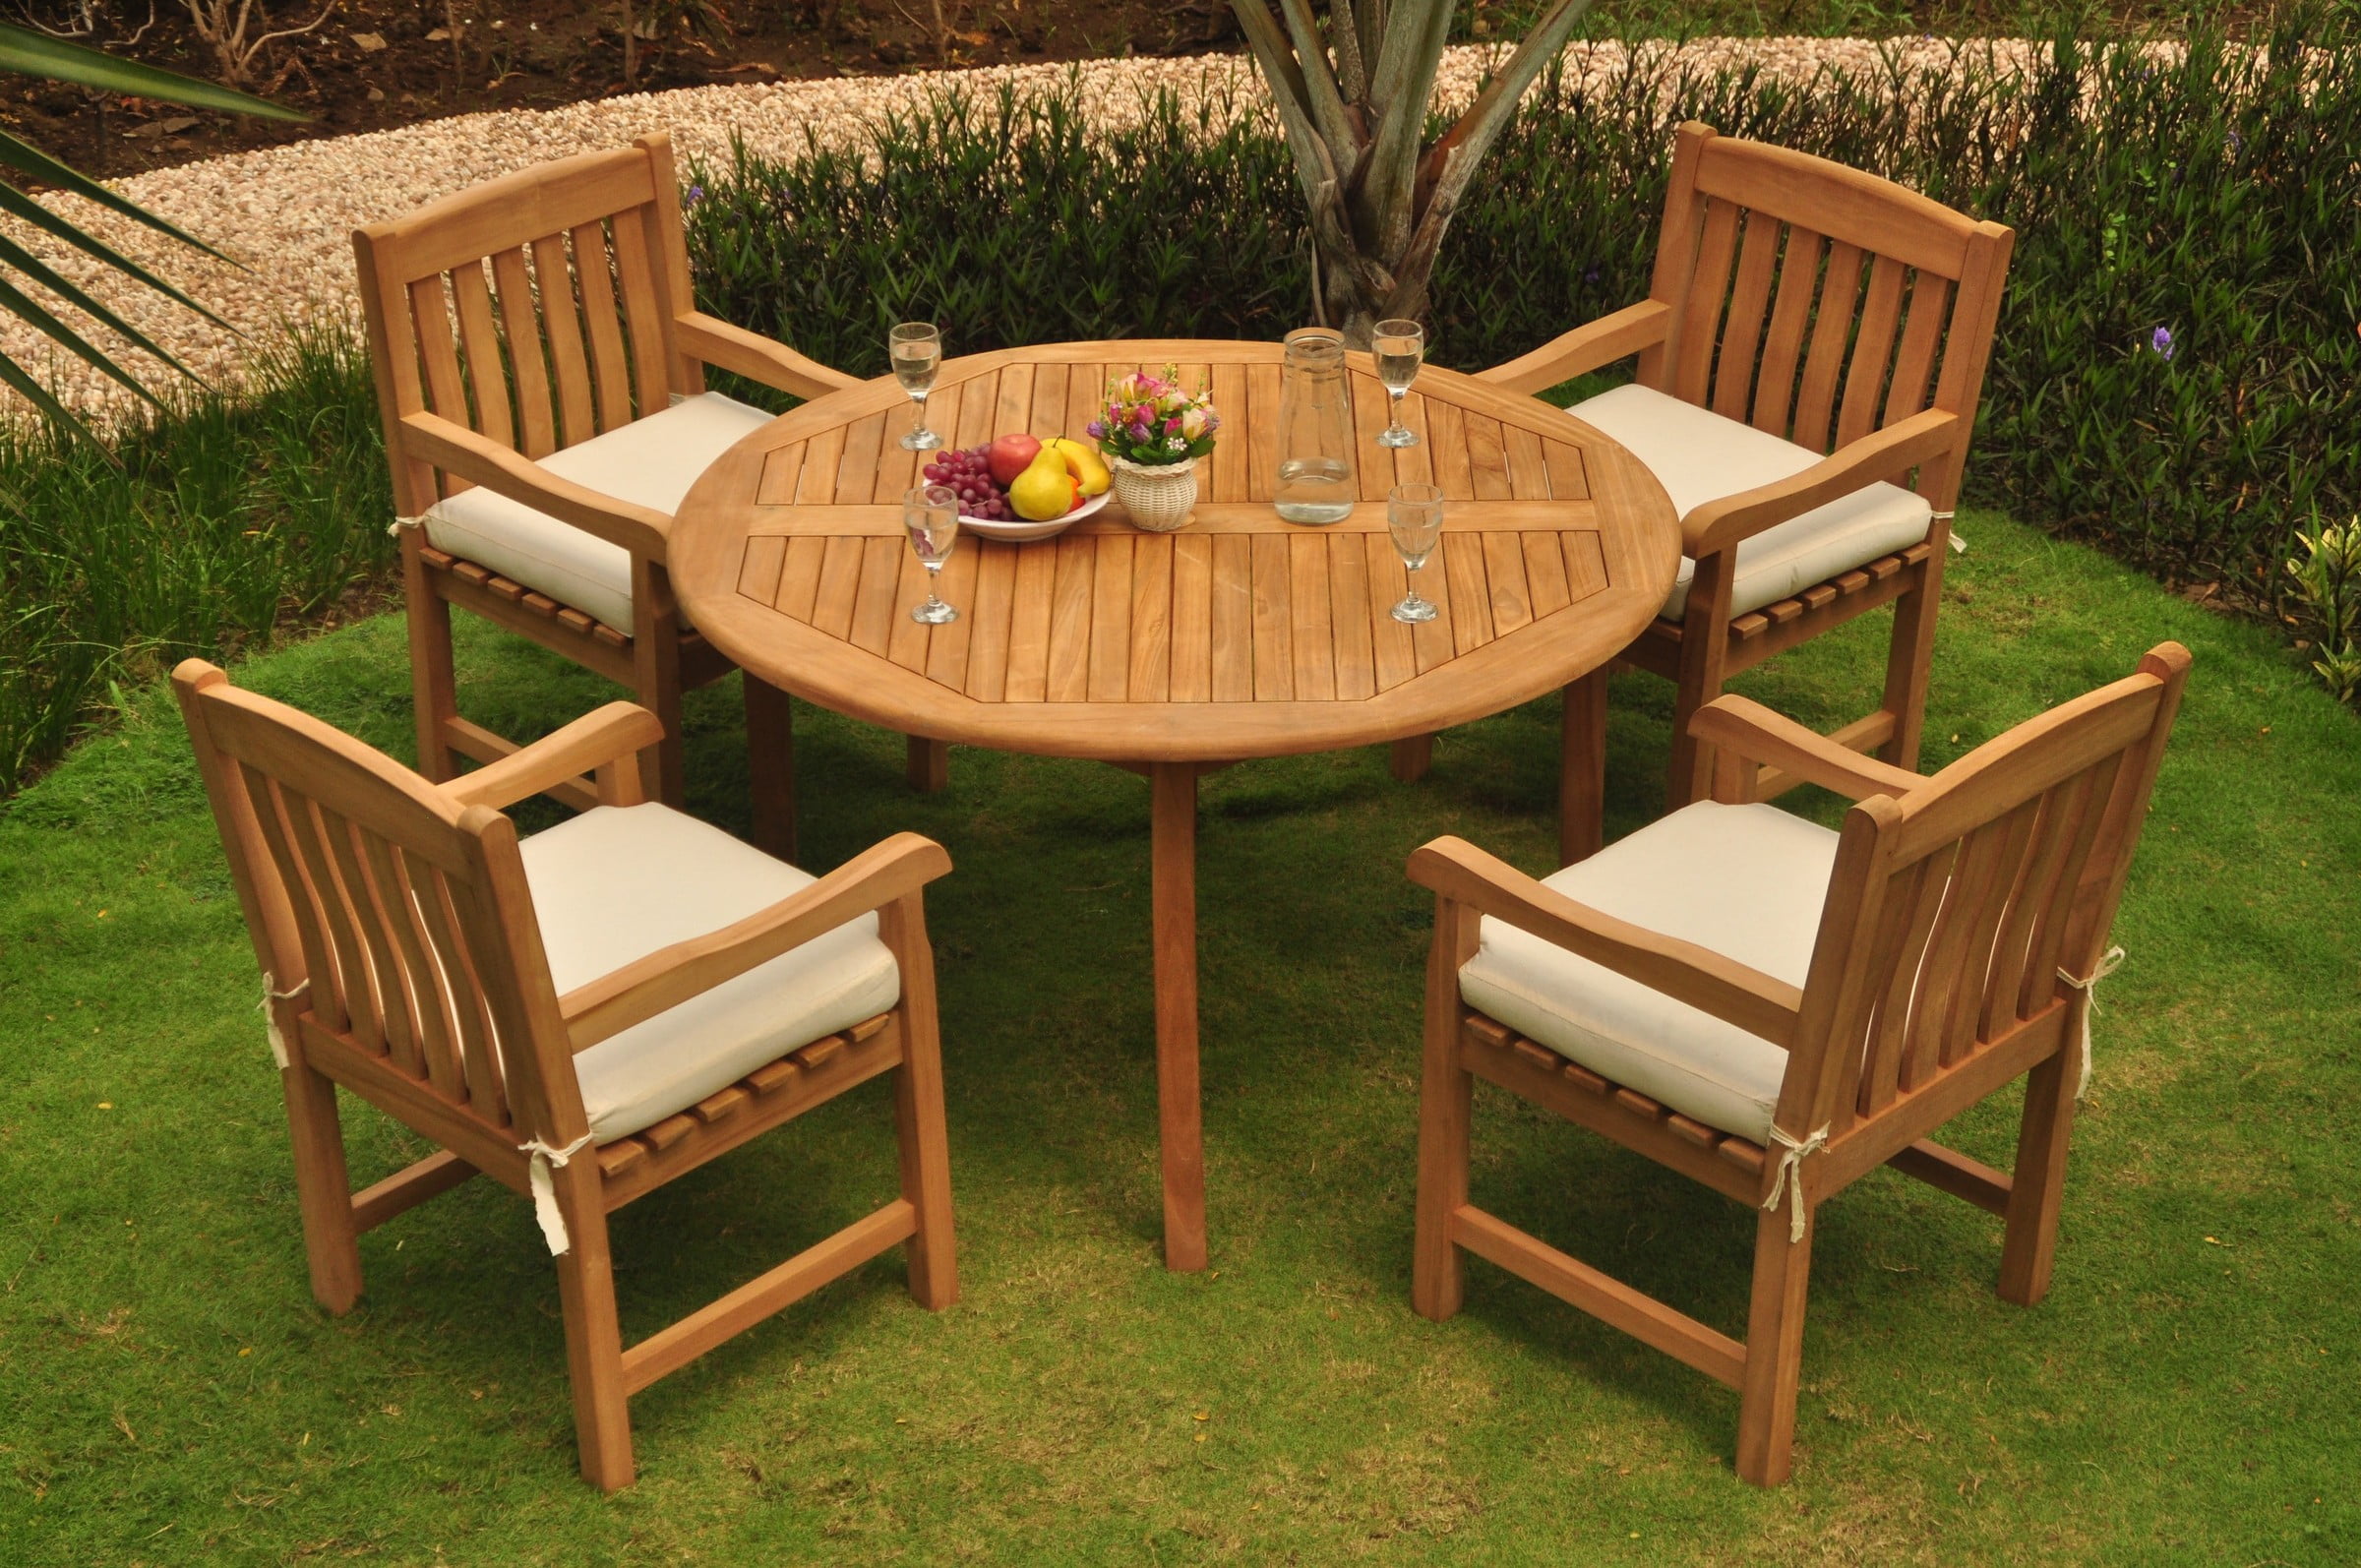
(1746, 882)
(650, 462)
(1698, 456)
(617, 883)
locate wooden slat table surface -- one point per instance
(1241, 635)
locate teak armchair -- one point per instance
(540, 371)
(1813, 336)
(1776, 1010)
(581, 1016)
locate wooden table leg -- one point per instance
(1411, 756)
(770, 765)
(1582, 769)
(929, 764)
(1180, 1118)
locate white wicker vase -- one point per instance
(1160, 496)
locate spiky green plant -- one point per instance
(1353, 98)
(27, 52)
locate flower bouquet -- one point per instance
(1153, 432)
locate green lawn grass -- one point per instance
(2188, 1394)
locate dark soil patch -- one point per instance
(374, 64)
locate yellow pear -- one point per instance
(1086, 463)
(1044, 489)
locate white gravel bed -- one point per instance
(286, 213)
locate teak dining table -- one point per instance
(1175, 654)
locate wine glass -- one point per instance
(1414, 516)
(915, 348)
(931, 513)
(1399, 346)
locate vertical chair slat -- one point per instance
(1749, 297)
(1921, 338)
(325, 998)
(429, 309)
(2012, 947)
(1701, 312)
(536, 425)
(2057, 909)
(642, 310)
(1791, 317)
(2062, 813)
(1872, 352)
(562, 321)
(480, 346)
(2007, 882)
(1978, 867)
(301, 825)
(430, 1019)
(370, 923)
(594, 279)
(1881, 1067)
(486, 1088)
(1852, 1064)
(1831, 333)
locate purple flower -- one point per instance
(1138, 431)
(696, 194)
(1097, 429)
(2160, 344)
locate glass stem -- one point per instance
(918, 413)
(1397, 406)
(933, 581)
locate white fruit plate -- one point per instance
(1016, 530)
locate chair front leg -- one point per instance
(323, 1184)
(2037, 1186)
(1704, 657)
(1774, 1347)
(656, 675)
(919, 1126)
(434, 684)
(1911, 656)
(1446, 1096)
(602, 1417)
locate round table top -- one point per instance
(1239, 636)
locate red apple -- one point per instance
(1012, 456)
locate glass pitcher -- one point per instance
(1315, 429)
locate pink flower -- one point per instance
(1171, 426)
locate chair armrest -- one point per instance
(664, 979)
(457, 449)
(1585, 348)
(1706, 980)
(591, 742)
(714, 341)
(1887, 453)
(1743, 727)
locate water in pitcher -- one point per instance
(1315, 490)
(1316, 432)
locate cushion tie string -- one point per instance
(395, 528)
(2107, 965)
(1958, 546)
(279, 1041)
(1789, 1177)
(545, 1190)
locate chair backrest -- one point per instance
(1819, 303)
(1952, 910)
(400, 920)
(537, 309)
